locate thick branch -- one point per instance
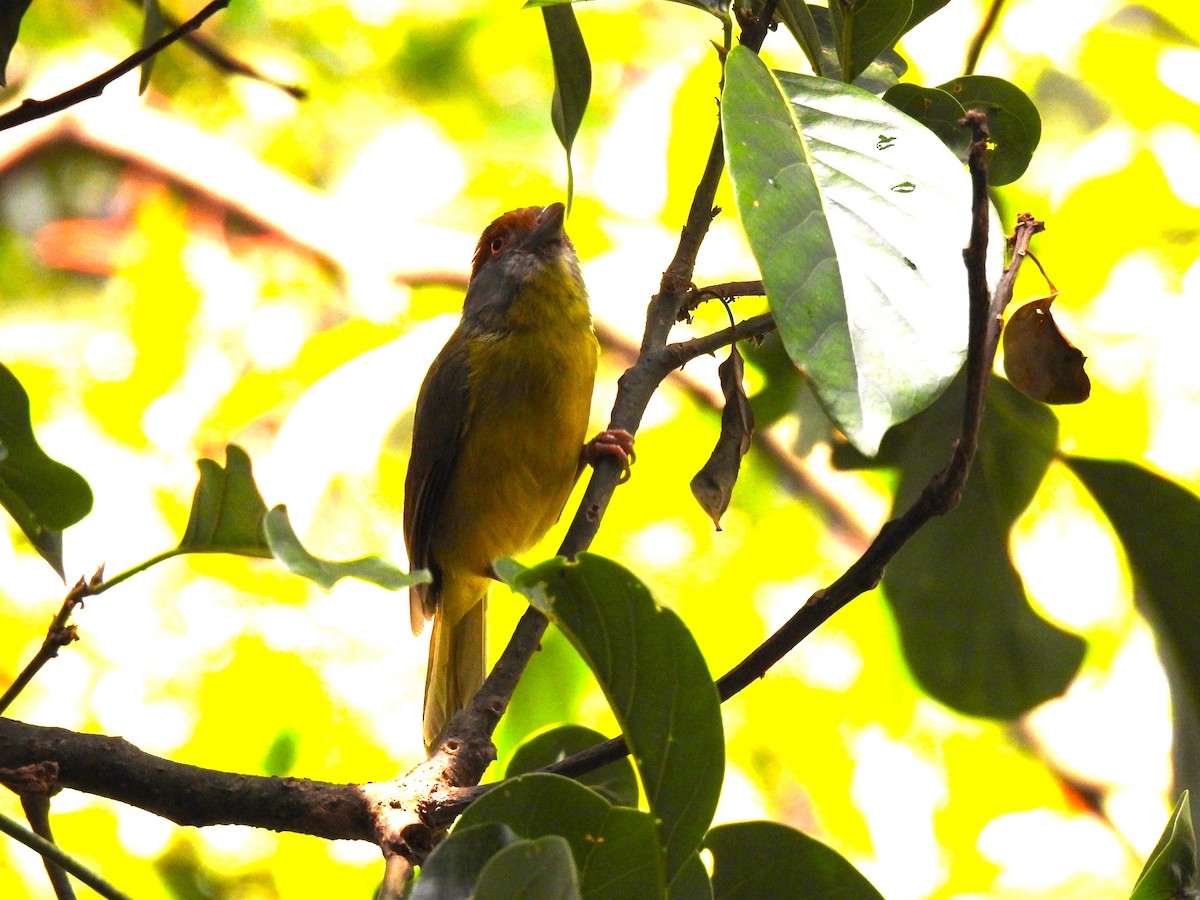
(188, 795)
(37, 109)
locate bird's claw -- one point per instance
(615, 442)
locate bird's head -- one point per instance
(525, 256)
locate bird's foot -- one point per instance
(615, 442)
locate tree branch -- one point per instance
(37, 109)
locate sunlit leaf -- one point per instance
(1013, 120)
(286, 547)
(822, 170)
(866, 28)
(227, 509)
(1039, 360)
(1170, 870)
(616, 781)
(11, 13)
(752, 860)
(655, 680)
(43, 496)
(152, 30)
(966, 627)
(713, 485)
(452, 870)
(936, 110)
(572, 80)
(540, 869)
(615, 848)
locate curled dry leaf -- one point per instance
(713, 484)
(1038, 359)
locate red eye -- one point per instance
(497, 246)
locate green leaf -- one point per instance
(11, 13)
(1170, 870)
(572, 80)
(43, 496)
(866, 28)
(454, 867)
(541, 869)
(797, 17)
(286, 547)
(227, 509)
(883, 72)
(655, 679)
(824, 171)
(691, 882)
(1014, 122)
(752, 860)
(968, 632)
(936, 110)
(152, 30)
(1152, 516)
(922, 10)
(615, 848)
(616, 782)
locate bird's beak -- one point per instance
(549, 225)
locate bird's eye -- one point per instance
(497, 246)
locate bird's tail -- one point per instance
(457, 666)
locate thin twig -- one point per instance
(29, 110)
(985, 31)
(221, 58)
(37, 811)
(50, 851)
(727, 291)
(58, 635)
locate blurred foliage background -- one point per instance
(218, 262)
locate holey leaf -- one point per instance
(857, 216)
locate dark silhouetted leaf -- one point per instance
(1039, 360)
(43, 496)
(286, 547)
(572, 80)
(453, 868)
(540, 869)
(797, 17)
(821, 170)
(1170, 870)
(1014, 122)
(615, 848)
(691, 881)
(866, 28)
(655, 680)
(968, 632)
(11, 13)
(752, 860)
(617, 782)
(713, 484)
(922, 10)
(936, 110)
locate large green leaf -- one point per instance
(968, 632)
(866, 28)
(540, 869)
(1013, 120)
(453, 868)
(43, 496)
(691, 882)
(655, 679)
(572, 79)
(752, 860)
(1170, 870)
(825, 172)
(11, 13)
(615, 848)
(616, 782)
(812, 27)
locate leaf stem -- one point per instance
(990, 18)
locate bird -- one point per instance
(498, 439)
